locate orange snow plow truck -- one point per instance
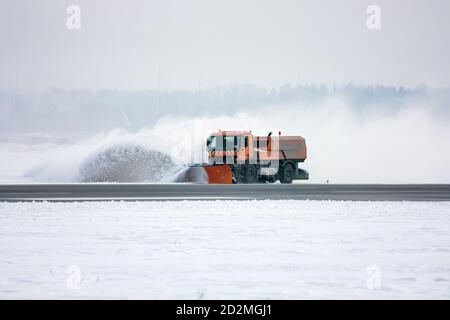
(240, 157)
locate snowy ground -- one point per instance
(225, 249)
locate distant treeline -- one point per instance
(63, 111)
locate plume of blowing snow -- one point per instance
(131, 163)
(411, 145)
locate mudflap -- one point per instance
(216, 173)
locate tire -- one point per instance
(237, 175)
(287, 173)
(245, 174)
(250, 174)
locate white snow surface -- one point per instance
(225, 250)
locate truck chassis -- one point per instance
(286, 172)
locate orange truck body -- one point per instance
(240, 157)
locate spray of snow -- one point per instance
(130, 163)
(117, 156)
(187, 174)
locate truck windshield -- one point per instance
(223, 142)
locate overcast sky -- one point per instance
(191, 44)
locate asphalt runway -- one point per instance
(162, 192)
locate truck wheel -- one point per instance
(287, 173)
(238, 176)
(250, 174)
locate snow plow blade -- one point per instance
(214, 174)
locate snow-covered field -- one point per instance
(225, 249)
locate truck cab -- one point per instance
(229, 146)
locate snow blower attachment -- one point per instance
(240, 157)
(213, 174)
